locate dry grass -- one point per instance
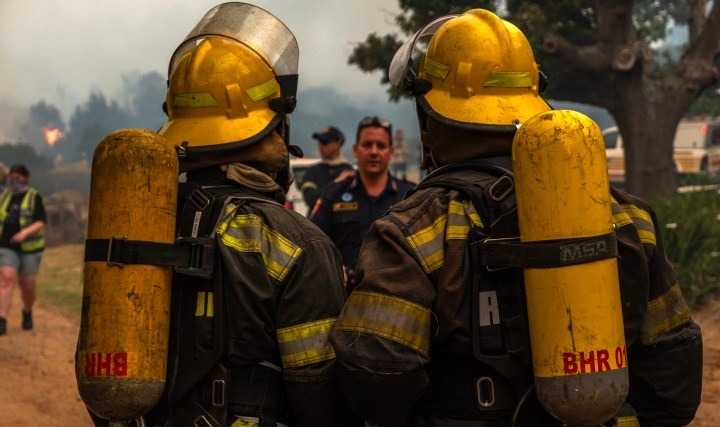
(60, 278)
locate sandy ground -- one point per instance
(709, 319)
(37, 376)
(37, 380)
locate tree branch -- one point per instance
(589, 58)
(696, 18)
(699, 63)
(614, 22)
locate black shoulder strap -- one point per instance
(193, 252)
(492, 200)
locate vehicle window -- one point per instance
(689, 136)
(611, 139)
(715, 137)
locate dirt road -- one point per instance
(37, 377)
(709, 413)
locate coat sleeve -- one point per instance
(382, 338)
(666, 363)
(321, 214)
(308, 308)
(310, 188)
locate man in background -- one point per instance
(333, 164)
(22, 220)
(349, 206)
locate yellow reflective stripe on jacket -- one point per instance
(205, 304)
(630, 214)
(248, 233)
(4, 204)
(26, 207)
(461, 216)
(392, 318)
(664, 313)
(428, 244)
(306, 343)
(630, 421)
(643, 222)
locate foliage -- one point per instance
(11, 154)
(98, 116)
(708, 104)
(376, 52)
(689, 225)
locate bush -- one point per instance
(689, 224)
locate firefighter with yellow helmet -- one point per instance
(513, 287)
(253, 305)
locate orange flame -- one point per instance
(52, 135)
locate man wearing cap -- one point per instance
(318, 177)
(348, 207)
(22, 219)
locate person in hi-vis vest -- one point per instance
(22, 220)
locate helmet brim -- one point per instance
(491, 109)
(219, 134)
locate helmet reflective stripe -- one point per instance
(478, 72)
(231, 81)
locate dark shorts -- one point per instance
(25, 264)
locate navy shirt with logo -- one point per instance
(11, 225)
(345, 212)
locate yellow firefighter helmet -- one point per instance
(479, 71)
(232, 81)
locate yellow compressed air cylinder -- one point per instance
(574, 312)
(122, 347)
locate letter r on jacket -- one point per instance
(489, 309)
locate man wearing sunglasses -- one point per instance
(348, 207)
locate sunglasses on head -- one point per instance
(375, 121)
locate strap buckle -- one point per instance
(488, 241)
(199, 199)
(201, 256)
(217, 397)
(503, 193)
(485, 387)
(112, 248)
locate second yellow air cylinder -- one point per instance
(574, 312)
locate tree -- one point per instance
(604, 53)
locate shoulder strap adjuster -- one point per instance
(200, 199)
(501, 188)
(109, 258)
(201, 256)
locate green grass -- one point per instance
(60, 278)
(689, 225)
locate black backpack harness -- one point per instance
(207, 389)
(493, 275)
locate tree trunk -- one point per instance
(647, 117)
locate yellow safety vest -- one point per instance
(35, 242)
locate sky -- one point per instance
(60, 50)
